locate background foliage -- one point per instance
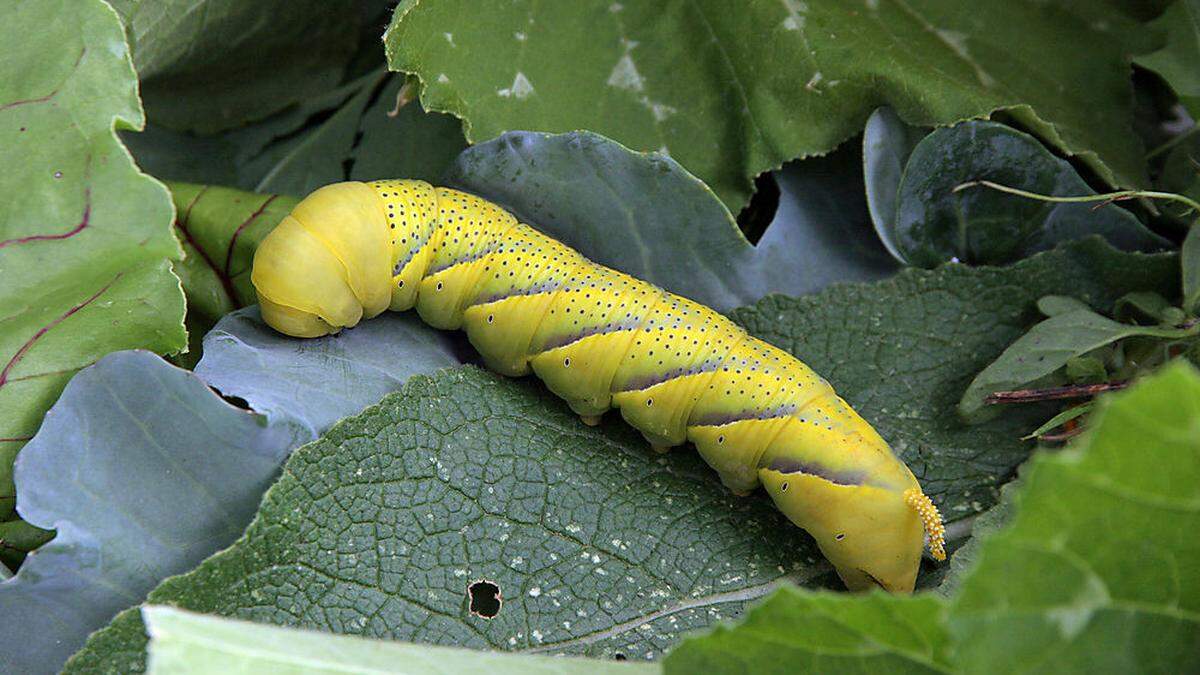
(793, 164)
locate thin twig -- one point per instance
(1106, 197)
(1053, 393)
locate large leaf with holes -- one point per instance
(85, 239)
(143, 471)
(596, 545)
(1093, 570)
(382, 527)
(208, 65)
(732, 92)
(314, 383)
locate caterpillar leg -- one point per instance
(660, 449)
(741, 493)
(591, 420)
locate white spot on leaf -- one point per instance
(625, 75)
(520, 88)
(661, 111)
(796, 11)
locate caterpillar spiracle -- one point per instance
(598, 338)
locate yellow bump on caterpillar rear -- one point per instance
(678, 371)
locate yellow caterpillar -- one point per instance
(601, 339)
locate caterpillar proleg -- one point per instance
(678, 371)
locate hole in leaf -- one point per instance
(485, 598)
(758, 214)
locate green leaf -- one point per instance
(315, 383)
(597, 544)
(85, 241)
(770, 81)
(240, 157)
(18, 537)
(550, 476)
(1090, 567)
(1141, 305)
(1053, 305)
(1189, 259)
(887, 144)
(208, 65)
(803, 632)
(355, 136)
(1046, 348)
(1177, 60)
(301, 164)
(645, 215)
(981, 527)
(1097, 571)
(219, 229)
(184, 642)
(1087, 368)
(144, 472)
(405, 141)
(935, 223)
(1181, 174)
(1061, 419)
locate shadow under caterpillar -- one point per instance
(600, 339)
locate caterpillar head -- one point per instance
(326, 265)
(873, 535)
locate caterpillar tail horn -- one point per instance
(931, 520)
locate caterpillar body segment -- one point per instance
(678, 371)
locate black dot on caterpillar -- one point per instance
(743, 403)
